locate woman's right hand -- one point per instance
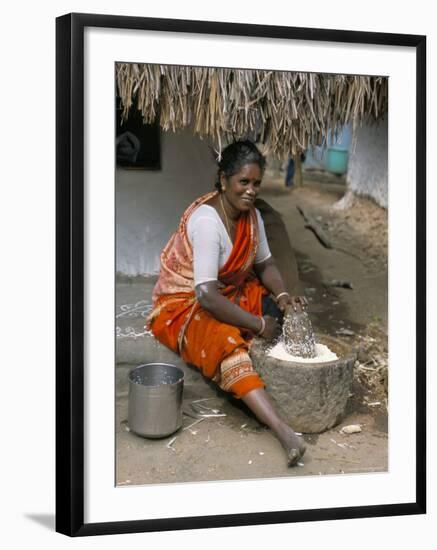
(272, 328)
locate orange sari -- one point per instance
(178, 321)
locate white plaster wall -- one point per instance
(149, 203)
(368, 162)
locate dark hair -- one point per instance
(235, 156)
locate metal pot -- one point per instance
(155, 399)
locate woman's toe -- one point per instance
(293, 456)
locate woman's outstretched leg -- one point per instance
(259, 403)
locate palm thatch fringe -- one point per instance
(287, 111)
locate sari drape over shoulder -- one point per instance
(179, 322)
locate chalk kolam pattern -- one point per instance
(140, 309)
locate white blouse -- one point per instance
(212, 245)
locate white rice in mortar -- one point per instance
(323, 354)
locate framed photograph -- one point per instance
(240, 274)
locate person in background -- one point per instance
(289, 174)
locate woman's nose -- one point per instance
(252, 190)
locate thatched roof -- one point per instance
(289, 111)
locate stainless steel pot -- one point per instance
(155, 399)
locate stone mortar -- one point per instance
(310, 397)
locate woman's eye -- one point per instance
(246, 182)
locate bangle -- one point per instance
(263, 326)
(281, 294)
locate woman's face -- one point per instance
(242, 188)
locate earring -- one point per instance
(223, 188)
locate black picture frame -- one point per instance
(70, 273)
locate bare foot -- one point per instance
(292, 443)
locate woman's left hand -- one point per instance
(298, 303)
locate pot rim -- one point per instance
(178, 381)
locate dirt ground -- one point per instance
(236, 446)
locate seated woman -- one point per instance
(212, 294)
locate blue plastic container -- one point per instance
(336, 160)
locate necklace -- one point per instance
(226, 217)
